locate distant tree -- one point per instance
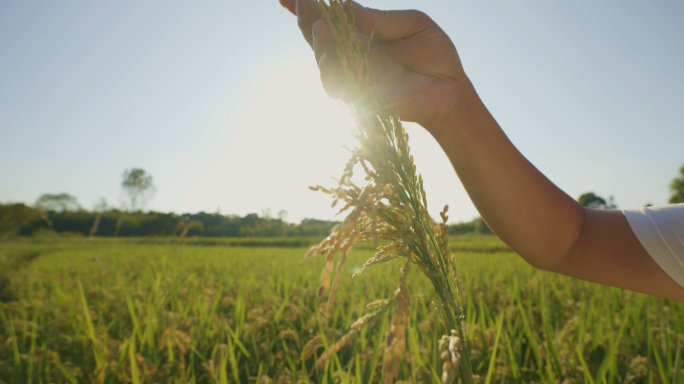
(95, 226)
(477, 226)
(139, 187)
(592, 200)
(677, 188)
(117, 226)
(185, 226)
(282, 215)
(266, 214)
(14, 216)
(481, 228)
(101, 206)
(62, 202)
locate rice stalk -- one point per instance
(392, 205)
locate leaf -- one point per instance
(495, 349)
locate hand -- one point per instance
(414, 62)
(417, 66)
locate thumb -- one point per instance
(291, 5)
(390, 25)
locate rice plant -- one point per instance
(168, 313)
(392, 206)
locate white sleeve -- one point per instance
(661, 231)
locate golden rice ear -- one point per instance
(311, 347)
(374, 225)
(378, 303)
(392, 206)
(312, 251)
(449, 347)
(343, 259)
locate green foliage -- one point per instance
(26, 221)
(476, 227)
(15, 216)
(158, 313)
(138, 185)
(677, 188)
(591, 200)
(62, 202)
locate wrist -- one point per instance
(463, 100)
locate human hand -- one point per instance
(414, 62)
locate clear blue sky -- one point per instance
(220, 100)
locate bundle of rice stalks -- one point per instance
(392, 205)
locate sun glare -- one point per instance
(289, 135)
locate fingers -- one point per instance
(322, 39)
(387, 25)
(307, 13)
(330, 76)
(326, 57)
(390, 25)
(290, 5)
(317, 33)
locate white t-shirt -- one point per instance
(661, 231)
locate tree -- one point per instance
(592, 200)
(62, 202)
(477, 226)
(14, 216)
(139, 187)
(184, 226)
(677, 188)
(266, 214)
(101, 206)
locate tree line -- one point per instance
(592, 200)
(20, 219)
(62, 215)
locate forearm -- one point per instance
(608, 252)
(526, 210)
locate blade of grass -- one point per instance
(99, 354)
(223, 366)
(495, 349)
(677, 363)
(233, 361)
(67, 375)
(610, 355)
(585, 368)
(135, 376)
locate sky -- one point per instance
(220, 101)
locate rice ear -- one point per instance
(392, 206)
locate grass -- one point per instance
(171, 313)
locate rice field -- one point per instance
(82, 311)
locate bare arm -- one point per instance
(534, 217)
(417, 66)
